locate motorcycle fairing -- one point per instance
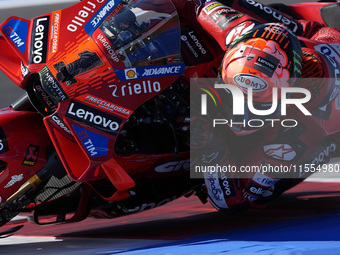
(14, 45)
(97, 91)
(21, 155)
(16, 30)
(109, 82)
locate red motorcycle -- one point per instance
(103, 127)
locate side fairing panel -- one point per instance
(96, 73)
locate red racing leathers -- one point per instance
(208, 29)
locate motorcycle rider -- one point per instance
(275, 55)
(269, 53)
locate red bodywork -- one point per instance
(58, 37)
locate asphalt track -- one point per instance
(305, 220)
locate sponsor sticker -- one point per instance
(14, 180)
(49, 105)
(55, 31)
(208, 158)
(238, 31)
(210, 7)
(193, 47)
(228, 186)
(264, 180)
(182, 165)
(150, 72)
(106, 47)
(17, 31)
(269, 13)
(137, 88)
(39, 40)
(130, 73)
(100, 15)
(214, 188)
(51, 85)
(31, 156)
(94, 118)
(221, 14)
(95, 144)
(250, 81)
(83, 15)
(324, 154)
(106, 105)
(254, 190)
(332, 54)
(24, 70)
(261, 61)
(61, 123)
(280, 151)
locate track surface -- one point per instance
(304, 220)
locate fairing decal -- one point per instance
(15, 31)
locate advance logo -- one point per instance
(150, 72)
(94, 118)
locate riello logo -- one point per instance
(238, 106)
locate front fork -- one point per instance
(28, 158)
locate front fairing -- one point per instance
(97, 75)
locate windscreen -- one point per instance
(144, 34)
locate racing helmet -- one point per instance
(266, 57)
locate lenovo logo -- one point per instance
(39, 40)
(93, 117)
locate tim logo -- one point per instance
(31, 156)
(17, 31)
(95, 144)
